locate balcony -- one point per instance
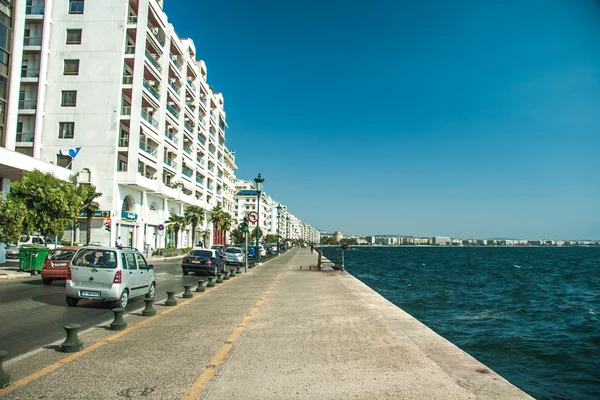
(212, 151)
(130, 49)
(189, 81)
(149, 118)
(124, 139)
(127, 79)
(156, 35)
(172, 111)
(203, 102)
(213, 133)
(201, 140)
(151, 90)
(211, 167)
(153, 61)
(200, 160)
(188, 127)
(27, 104)
(187, 173)
(199, 180)
(25, 137)
(125, 110)
(34, 10)
(32, 41)
(209, 186)
(147, 149)
(132, 19)
(175, 88)
(30, 73)
(175, 61)
(170, 162)
(187, 149)
(172, 137)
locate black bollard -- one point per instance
(226, 275)
(149, 311)
(238, 270)
(119, 323)
(211, 281)
(231, 273)
(219, 278)
(170, 302)
(187, 293)
(200, 287)
(4, 377)
(72, 344)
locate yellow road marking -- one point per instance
(207, 374)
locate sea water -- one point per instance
(529, 313)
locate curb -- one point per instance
(20, 275)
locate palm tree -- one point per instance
(226, 224)
(216, 217)
(205, 234)
(194, 215)
(88, 195)
(177, 221)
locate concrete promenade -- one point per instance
(276, 332)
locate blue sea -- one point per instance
(530, 314)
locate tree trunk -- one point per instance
(176, 237)
(89, 226)
(194, 225)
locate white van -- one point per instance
(34, 239)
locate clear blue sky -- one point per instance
(455, 118)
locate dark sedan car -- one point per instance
(205, 261)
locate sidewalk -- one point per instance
(276, 332)
(10, 270)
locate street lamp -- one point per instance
(279, 208)
(259, 187)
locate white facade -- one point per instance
(114, 79)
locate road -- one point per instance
(32, 315)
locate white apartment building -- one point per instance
(112, 79)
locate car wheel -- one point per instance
(47, 281)
(123, 300)
(185, 272)
(72, 301)
(151, 291)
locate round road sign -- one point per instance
(253, 216)
(161, 227)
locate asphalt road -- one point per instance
(32, 315)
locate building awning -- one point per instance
(12, 165)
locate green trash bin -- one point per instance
(32, 257)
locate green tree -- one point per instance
(88, 195)
(238, 236)
(226, 224)
(12, 216)
(270, 238)
(194, 215)
(51, 204)
(253, 234)
(205, 234)
(177, 222)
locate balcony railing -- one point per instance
(187, 173)
(212, 132)
(199, 180)
(32, 41)
(189, 81)
(188, 127)
(174, 87)
(203, 102)
(130, 49)
(187, 149)
(172, 137)
(172, 57)
(149, 118)
(127, 79)
(156, 35)
(170, 162)
(200, 160)
(125, 110)
(132, 19)
(122, 166)
(201, 140)
(30, 73)
(34, 10)
(172, 111)
(124, 139)
(27, 104)
(210, 167)
(25, 136)
(147, 149)
(209, 186)
(153, 61)
(151, 90)
(211, 150)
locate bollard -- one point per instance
(220, 277)
(226, 275)
(200, 287)
(119, 323)
(231, 273)
(149, 311)
(4, 377)
(170, 302)
(187, 293)
(238, 270)
(72, 344)
(211, 281)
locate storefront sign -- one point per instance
(129, 216)
(97, 214)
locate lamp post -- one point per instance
(259, 186)
(287, 229)
(279, 208)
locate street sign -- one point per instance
(253, 216)
(161, 227)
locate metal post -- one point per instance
(246, 255)
(342, 260)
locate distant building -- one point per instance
(337, 236)
(441, 241)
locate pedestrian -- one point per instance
(118, 243)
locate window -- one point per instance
(71, 67)
(63, 161)
(76, 6)
(141, 262)
(69, 98)
(131, 261)
(73, 36)
(66, 130)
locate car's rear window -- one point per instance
(95, 258)
(233, 251)
(61, 254)
(201, 253)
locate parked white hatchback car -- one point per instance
(109, 274)
(34, 239)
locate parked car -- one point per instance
(219, 248)
(251, 253)
(206, 261)
(272, 248)
(34, 239)
(12, 251)
(109, 274)
(234, 256)
(57, 264)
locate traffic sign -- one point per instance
(161, 227)
(253, 216)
